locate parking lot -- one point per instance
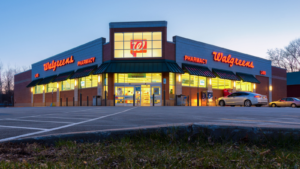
(16, 123)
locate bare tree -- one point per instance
(1, 89)
(287, 58)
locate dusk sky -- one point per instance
(33, 30)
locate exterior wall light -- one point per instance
(43, 87)
(254, 86)
(57, 85)
(99, 79)
(233, 83)
(209, 81)
(32, 89)
(271, 88)
(75, 82)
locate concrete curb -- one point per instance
(216, 131)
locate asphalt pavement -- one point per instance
(16, 123)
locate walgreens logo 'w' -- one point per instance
(138, 46)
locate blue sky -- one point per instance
(33, 30)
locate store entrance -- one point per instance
(142, 95)
(145, 95)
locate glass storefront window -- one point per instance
(193, 81)
(51, 86)
(138, 78)
(138, 44)
(172, 85)
(244, 86)
(186, 79)
(218, 83)
(88, 81)
(68, 84)
(38, 89)
(202, 81)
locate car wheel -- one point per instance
(222, 103)
(247, 103)
(258, 105)
(293, 106)
(273, 105)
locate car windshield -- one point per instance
(296, 99)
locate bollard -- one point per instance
(87, 100)
(133, 99)
(114, 100)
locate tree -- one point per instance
(287, 58)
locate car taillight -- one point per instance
(257, 96)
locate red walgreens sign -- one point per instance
(219, 57)
(138, 46)
(195, 59)
(262, 72)
(59, 63)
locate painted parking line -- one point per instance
(16, 127)
(262, 121)
(38, 121)
(59, 113)
(71, 118)
(61, 127)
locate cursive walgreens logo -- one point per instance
(138, 46)
(219, 57)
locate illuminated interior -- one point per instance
(218, 83)
(172, 85)
(138, 78)
(88, 81)
(51, 87)
(244, 86)
(68, 84)
(38, 89)
(138, 44)
(193, 81)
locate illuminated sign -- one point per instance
(37, 75)
(262, 72)
(86, 61)
(59, 63)
(195, 59)
(218, 57)
(138, 46)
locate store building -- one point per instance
(293, 84)
(139, 67)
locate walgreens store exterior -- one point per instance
(139, 67)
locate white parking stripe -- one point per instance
(30, 128)
(61, 127)
(46, 117)
(59, 112)
(39, 121)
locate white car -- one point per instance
(246, 99)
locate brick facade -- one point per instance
(22, 95)
(279, 83)
(263, 87)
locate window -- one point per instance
(68, 84)
(193, 81)
(138, 44)
(244, 86)
(51, 87)
(38, 89)
(289, 99)
(172, 85)
(218, 83)
(138, 78)
(88, 81)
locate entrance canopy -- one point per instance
(198, 70)
(48, 80)
(63, 76)
(34, 83)
(224, 74)
(83, 72)
(247, 77)
(139, 66)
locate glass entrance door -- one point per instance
(145, 92)
(156, 90)
(137, 95)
